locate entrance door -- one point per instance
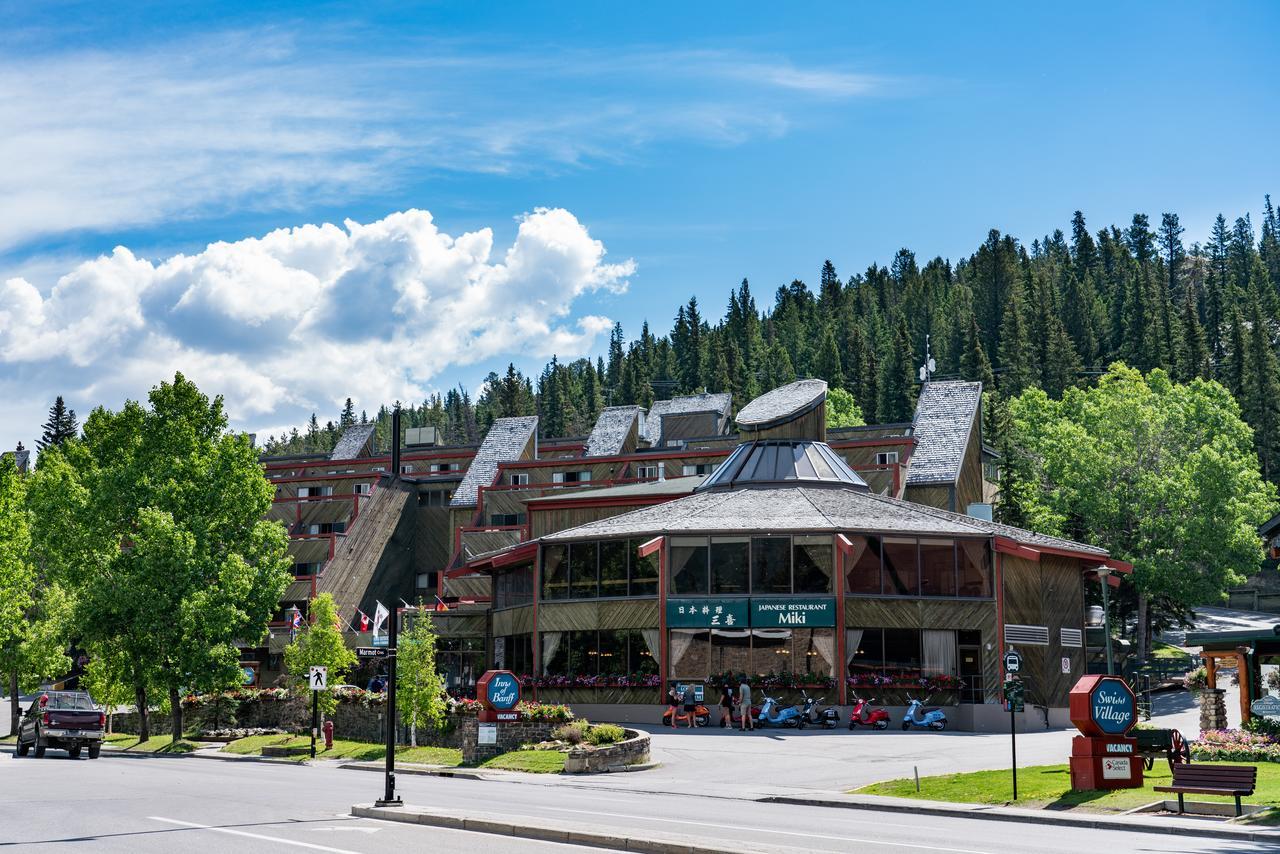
(971, 674)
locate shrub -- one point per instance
(572, 733)
(605, 734)
(1263, 726)
(1196, 680)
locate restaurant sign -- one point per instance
(798, 613)
(706, 613)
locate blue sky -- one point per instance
(695, 145)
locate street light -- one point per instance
(1104, 573)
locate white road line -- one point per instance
(228, 830)
(802, 835)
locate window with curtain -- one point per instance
(644, 571)
(902, 650)
(812, 559)
(555, 653)
(974, 568)
(939, 652)
(689, 565)
(731, 651)
(863, 575)
(771, 651)
(613, 568)
(729, 564)
(770, 565)
(813, 651)
(866, 650)
(646, 656)
(555, 572)
(690, 651)
(583, 570)
(937, 567)
(901, 567)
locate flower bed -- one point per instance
(1233, 745)
(776, 681)
(536, 712)
(905, 680)
(559, 680)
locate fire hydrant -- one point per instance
(328, 735)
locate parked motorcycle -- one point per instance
(828, 718)
(735, 719)
(772, 713)
(864, 715)
(701, 716)
(918, 716)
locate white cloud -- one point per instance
(296, 321)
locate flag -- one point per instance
(440, 605)
(297, 619)
(380, 615)
(365, 622)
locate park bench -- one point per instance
(1234, 780)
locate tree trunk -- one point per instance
(144, 720)
(1143, 627)
(15, 707)
(175, 713)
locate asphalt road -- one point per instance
(153, 804)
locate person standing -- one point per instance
(673, 704)
(726, 705)
(690, 709)
(744, 705)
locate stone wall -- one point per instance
(585, 759)
(510, 736)
(1213, 709)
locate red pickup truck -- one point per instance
(67, 720)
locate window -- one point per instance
(600, 653)
(699, 469)
(813, 564)
(513, 589)
(571, 477)
(973, 569)
(583, 569)
(649, 472)
(644, 571)
(314, 491)
(698, 653)
(937, 568)
(887, 458)
(518, 478)
(440, 468)
(555, 572)
(613, 568)
(902, 650)
(770, 565)
(689, 565)
(506, 519)
(516, 653)
(364, 488)
(864, 566)
(434, 498)
(901, 567)
(406, 468)
(729, 564)
(300, 569)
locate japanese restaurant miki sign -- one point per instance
(706, 613)
(783, 613)
(741, 613)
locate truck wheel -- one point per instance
(39, 750)
(23, 748)
(94, 750)
(74, 752)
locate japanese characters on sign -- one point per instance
(707, 613)
(726, 613)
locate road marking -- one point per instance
(228, 830)
(851, 839)
(345, 827)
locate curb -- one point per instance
(1013, 814)
(420, 770)
(575, 834)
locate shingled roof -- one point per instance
(352, 442)
(611, 429)
(782, 404)
(652, 427)
(21, 459)
(944, 417)
(504, 442)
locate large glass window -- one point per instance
(864, 566)
(583, 570)
(757, 652)
(513, 588)
(644, 571)
(689, 565)
(603, 653)
(865, 650)
(517, 653)
(690, 653)
(902, 650)
(555, 572)
(901, 567)
(729, 564)
(813, 566)
(613, 568)
(974, 569)
(937, 568)
(770, 565)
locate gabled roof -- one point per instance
(21, 459)
(689, 403)
(782, 404)
(944, 418)
(610, 431)
(505, 441)
(353, 442)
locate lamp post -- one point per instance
(1104, 573)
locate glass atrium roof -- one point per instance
(781, 463)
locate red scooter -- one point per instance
(864, 715)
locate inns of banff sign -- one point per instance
(499, 692)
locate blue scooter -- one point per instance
(773, 714)
(932, 719)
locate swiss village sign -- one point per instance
(730, 613)
(1266, 707)
(1104, 709)
(499, 693)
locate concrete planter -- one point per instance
(585, 759)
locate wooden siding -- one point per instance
(1049, 593)
(941, 497)
(513, 621)
(459, 625)
(811, 425)
(543, 522)
(363, 565)
(578, 616)
(980, 615)
(969, 485)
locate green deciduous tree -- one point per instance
(1163, 475)
(320, 644)
(842, 409)
(420, 694)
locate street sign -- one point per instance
(319, 678)
(1012, 662)
(372, 652)
(380, 640)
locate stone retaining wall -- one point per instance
(585, 759)
(510, 735)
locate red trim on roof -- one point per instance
(518, 554)
(649, 546)
(1009, 546)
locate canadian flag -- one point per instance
(365, 622)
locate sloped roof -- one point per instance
(652, 428)
(672, 486)
(611, 429)
(944, 417)
(782, 404)
(21, 459)
(503, 444)
(352, 442)
(788, 461)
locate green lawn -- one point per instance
(343, 749)
(1167, 650)
(155, 744)
(1049, 787)
(532, 761)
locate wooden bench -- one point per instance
(1234, 780)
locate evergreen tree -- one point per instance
(1018, 368)
(897, 378)
(1236, 358)
(613, 374)
(828, 367)
(1194, 357)
(1260, 403)
(348, 416)
(60, 427)
(974, 364)
(780, 370)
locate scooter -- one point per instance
(864, 715)
(735, 719)
(827, 718)
(773, 714)
(701, 716)
(931, 719)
